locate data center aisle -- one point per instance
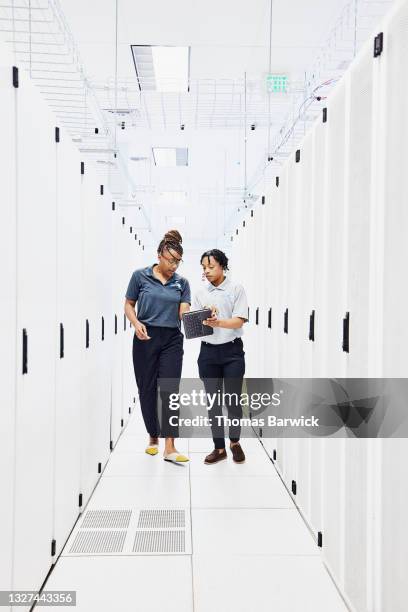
(224, 537)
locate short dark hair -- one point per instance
(219, 257)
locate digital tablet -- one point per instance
(193, 323)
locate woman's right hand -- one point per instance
(140, 331)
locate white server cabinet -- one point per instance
(260, 272)
(68, 329)
(130, 262)
(394, 182)
(268, 279)
(118, 299)
(392, 556)
(334, 502)
(245, 276)
(336, 251)
(103, 320)
(91, 422)
(358, 198)
(295, 300)
(274, 304)
(8, 296)
(320, 216)
(355, 522)
(315, 516)
(36, 337)
(305, 277)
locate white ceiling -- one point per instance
(227, 39)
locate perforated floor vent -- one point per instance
(93, 542)
(108, 519)
(161, 519)
(159, 542)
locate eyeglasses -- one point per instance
(173, 260)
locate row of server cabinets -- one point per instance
(323, 257)
(67, 382)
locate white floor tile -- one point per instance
(263, 583)
(141, 464)
(239, 492)
(251, 532)
(127, 584)
(142, 491)
(134, 443)
(205, 445)
(256, 464)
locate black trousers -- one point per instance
(222, 369)
(159, 357)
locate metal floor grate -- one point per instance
(161, 519)
(159, 542)
(108, 519)
(93, 542)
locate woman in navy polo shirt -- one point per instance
(162, 296)
(221, 361)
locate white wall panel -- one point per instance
(69, 314)
(8, 292)
(36, 312)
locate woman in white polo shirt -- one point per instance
(221, 360)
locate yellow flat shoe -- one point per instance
(153, 449)
(176, 458)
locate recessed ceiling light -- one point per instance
(170, 156)
(162, 68)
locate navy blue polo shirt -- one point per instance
(158, 304)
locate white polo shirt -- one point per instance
(231, 301)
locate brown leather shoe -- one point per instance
(238, 454)
(215, 456)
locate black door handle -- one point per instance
(25, 352)
(346, 333)
(61, 341)
(312, 326)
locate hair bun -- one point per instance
(173, 236)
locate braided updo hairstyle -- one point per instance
(172, 240)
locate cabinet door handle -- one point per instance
(87, 334)
(312, 326)
(270, 318)
(25, 352)
(286, 322)
(61, 341)
(346, 333)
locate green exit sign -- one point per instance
(276, 83)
